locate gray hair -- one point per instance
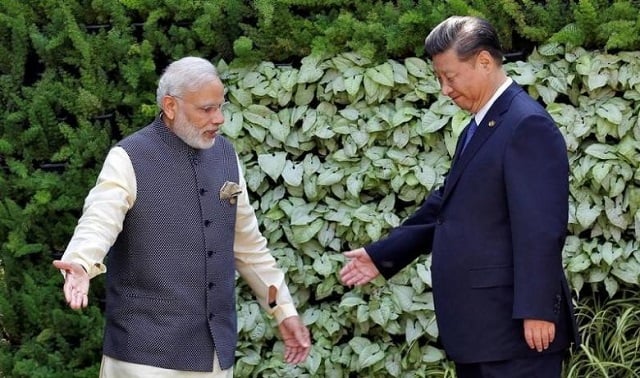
(184, 75)
(466, 35)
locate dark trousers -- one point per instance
(542, 366)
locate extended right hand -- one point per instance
(76, 284)
(360, 269)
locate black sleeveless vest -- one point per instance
(171, 274)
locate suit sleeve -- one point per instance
(537, 184)
(408, 241)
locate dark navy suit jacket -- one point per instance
(496, 229)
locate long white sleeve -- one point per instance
(254, 261)
(103, 213)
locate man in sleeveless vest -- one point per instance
(169, 221)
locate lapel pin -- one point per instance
(492, 123)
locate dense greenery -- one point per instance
(342, 133)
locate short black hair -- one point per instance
(466, 35)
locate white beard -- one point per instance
(190, 134)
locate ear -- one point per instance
(485, 60)
(169, 107)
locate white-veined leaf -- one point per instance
(432, 354)
(272, 164)
(309, 71)
(381, 74)
(417, 67)
(302, 234)
(292, 173)
(586, 214)
(400, 74)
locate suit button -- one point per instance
(207, 223)
(203, 191)
(439, 221)
(211, 285)
(211, 316)
(209, 253)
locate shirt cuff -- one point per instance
(283, 311)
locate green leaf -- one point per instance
(417, 67)
(292, 173)
(615, 213)
(430, 122)
(596, 81)
(272, 164)
(279, 131)
(288, 79)
(628, 271)
(304, 94)
(382, 74)
(330, 176)
(403, 296)
(579, 263)
(586, 214)
(259, 115)
(302, 234)
(350, 300)
(323, 266)
(232, 126)
(309, 71)
(370, 355)
(432, 354)
(352, 84)
(413, 330)
(400, 73)
(354, 184)
(610, 112)
(241, 96)
(611, 286)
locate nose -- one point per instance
(217, 117)
(445, 89)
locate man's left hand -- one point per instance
(539, 333)
(297, 343)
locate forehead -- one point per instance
(447, 61)
(209, 89)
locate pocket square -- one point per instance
(229, 191)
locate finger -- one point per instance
(348, 278)
(538, 339)
(528, 336)
(302, 335)
(297, 355)
(552, 333)
(349, 275)
(346, 269)
(85, 300)
(354, 254)
(61, 265)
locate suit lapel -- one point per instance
(489, 124)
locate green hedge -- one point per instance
(338, 147)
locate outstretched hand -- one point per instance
(297, 342)
(360, 269)
(76, 284)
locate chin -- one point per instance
(207, 143)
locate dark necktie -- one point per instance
(473, 126)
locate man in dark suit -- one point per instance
(497, 226)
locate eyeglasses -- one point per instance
(208, 109)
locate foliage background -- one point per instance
(342, 132)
